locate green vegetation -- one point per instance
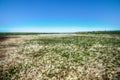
(76, 57)
(34, 33)
(100, 32)
(26, 33)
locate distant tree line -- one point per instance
(27, 33)
(100, 32)
(34, 33)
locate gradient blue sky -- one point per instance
(59, 15)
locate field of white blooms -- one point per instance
(60, 57)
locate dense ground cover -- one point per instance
(61, 57)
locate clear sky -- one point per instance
(59, 15)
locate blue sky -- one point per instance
(59, 15)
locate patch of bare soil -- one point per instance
(5, 37)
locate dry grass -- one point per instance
(60, 57)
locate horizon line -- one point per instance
(56, 32)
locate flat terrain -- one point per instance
(60, 57)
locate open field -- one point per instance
(60, 57)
